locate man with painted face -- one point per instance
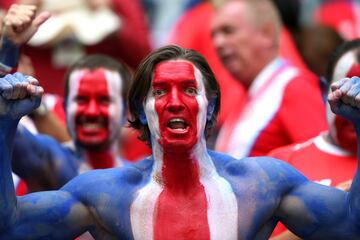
(183, 191)
(329, 158)
(95, 111)
(95, 87)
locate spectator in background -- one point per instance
(269, 116)
(193, 30)
(127, 41)
(343, 16)
(95, 87)
(329, 158)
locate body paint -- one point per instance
(184, 178)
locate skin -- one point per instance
(20, 23)
(230, 38)
(244, 198)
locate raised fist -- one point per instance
(19, 95)
(345, 98)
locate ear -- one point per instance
(210, 108)
(268, 33)
(142, 116)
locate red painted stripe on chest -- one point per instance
(181, 209)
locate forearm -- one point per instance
(7, 191)
(9, 56)
(354, 193)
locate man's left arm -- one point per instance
(313, 211)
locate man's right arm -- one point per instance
(43, 215)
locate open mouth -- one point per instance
(177, 125)
(92, 126)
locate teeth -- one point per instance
(92, 126)
(177, 124)
(177, 120)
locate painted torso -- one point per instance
(247, 217)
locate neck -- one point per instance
(101, 159)
(181, 171)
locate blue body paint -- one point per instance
(9, 56)
(266, 190)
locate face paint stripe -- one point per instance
(142, 211)
(114, 84)
(74, 83)
(179, 175)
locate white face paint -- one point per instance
(94, 106)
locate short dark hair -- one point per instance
(142, 83)
(338, 53)
(95, 61)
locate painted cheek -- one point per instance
(346, 136)
(93, 86)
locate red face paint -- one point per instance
(181, 210)
(345, 132)
(175, 89)
(92, 112)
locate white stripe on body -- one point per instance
(16, 180)
(222, 211)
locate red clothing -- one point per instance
(130, 44)
(319, 161)
(283, 107)
(20, 186)
(341, 15)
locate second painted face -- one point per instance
(94, 107)
(342, 130)
(176, 105)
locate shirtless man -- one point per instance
(183, 191)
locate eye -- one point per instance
(158, 92)
(81, 100)
(191, 91)
(104, 100)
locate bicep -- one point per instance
(312, 209)
(48, 215)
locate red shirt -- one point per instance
(318, 160)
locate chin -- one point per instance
(178, 145)
(94, 145)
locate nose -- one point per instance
(218, 40)
(175, 103)
(92, 108)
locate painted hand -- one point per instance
(345, 98)
(21, 23)
(19, 95)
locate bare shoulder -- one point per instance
(257, 169)
(110, 180)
